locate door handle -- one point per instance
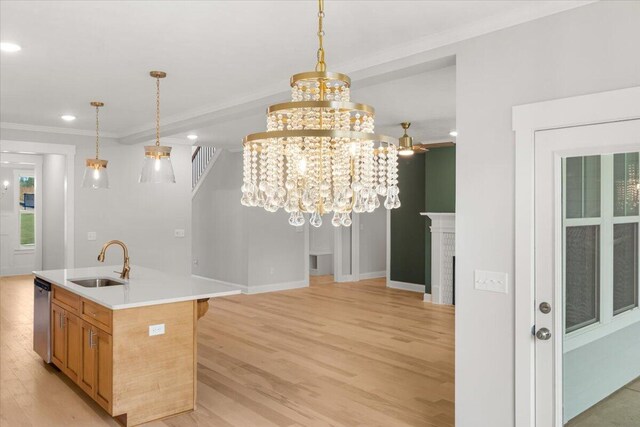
(543, 334)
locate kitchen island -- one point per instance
(131, 345)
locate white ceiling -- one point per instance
(218, 54)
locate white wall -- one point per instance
(594, 371)
(581, 51)
(321, 238)
(373, 243)
(144, 216)
(53, 173)
(276, 249)
(241, 245)
(220, 240)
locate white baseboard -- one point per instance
(259, 289)
(372, 275)
(413, 287)
(16, 271)
(426, 298)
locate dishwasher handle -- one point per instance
(42, 285)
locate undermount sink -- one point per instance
(97, 282)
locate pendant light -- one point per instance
(319, 153)
(157, 166)
(95, 174)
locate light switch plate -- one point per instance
(491, 281)
(91, 235)
(156, 329)
(178, 232)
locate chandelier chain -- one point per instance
(320, 66)
(97, 133)
(158, 111)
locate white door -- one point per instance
(587, 320)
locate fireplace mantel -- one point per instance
(443, 228)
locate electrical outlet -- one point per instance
(91, 235)
(195, 261)
(272, 270)
(178, 232)
(156, 329)
(491, 281)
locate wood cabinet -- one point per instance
(111, 355)
(96, 374)
(66, 341)
(82, 350)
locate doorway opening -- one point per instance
(20, 218)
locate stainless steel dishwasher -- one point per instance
(42, 318)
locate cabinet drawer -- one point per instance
(96, 315)
(66, 299)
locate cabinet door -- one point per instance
(73, 340)
(58, 343)
(86, 378)
(104, 369)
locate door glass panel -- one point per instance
(626, 184)
(601, 254)
(582, 277)
(625, 267)
(582, 187)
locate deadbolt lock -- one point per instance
(545, 307)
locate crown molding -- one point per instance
(53, 129)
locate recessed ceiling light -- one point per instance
(453, 133)
(192, 137)
(68, 117)
(9, 47)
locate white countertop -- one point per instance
(145, 286)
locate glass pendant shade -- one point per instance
(157, 168)
(95, 174)
(320, 154)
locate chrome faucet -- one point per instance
(124, 274)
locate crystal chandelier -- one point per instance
(319, 153)
(157, 166)
(95, 174)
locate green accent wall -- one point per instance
(407, 226)
(427, 184)
(440, 190)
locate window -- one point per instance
(26, 201)
(600, 242)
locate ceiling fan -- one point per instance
(406, 147)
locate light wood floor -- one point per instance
(353, 354)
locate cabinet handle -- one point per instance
(60, 322)
(91, 343)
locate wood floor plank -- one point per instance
(348, 354)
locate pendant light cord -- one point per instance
(97, 134)
(320, 65)
(157, 111)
